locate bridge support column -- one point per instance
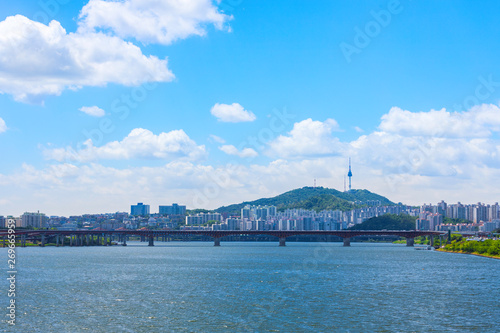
(3, 241)
(57, 240)
(42, 242)
(151, 241)
(282, 241)
(410, 241)
(347, 241)
(432, 240)
(124, 240)
(23, 240)
(216, 241)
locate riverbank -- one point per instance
(472, 253)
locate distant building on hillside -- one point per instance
(35, 220)
(175, 209)
(139, 210)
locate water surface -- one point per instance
(256, 287)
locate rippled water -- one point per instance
(257, 287)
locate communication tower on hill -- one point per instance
(349, 174)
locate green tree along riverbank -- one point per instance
(387, 222)
(488, 247)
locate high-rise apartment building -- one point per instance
(175, 209)
(139, 210)
(35, 220)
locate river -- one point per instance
(252, 287)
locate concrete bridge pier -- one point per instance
(347, 241)
(410, 241)
(23, 240)
(57, 241)
(282, 241)
(124, 240)
(216, 241)
(432, 240)
(151, 241)
(42, 242)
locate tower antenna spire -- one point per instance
(349, 174)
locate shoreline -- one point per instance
(474, 254)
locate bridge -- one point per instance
(104, 237)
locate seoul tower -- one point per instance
(349, 174)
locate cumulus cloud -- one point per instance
(479, 121)
(93, 111)
(404, 167)
(307, 138)
(215, 138)
(358, 129)
(140, 143)
(38, 60)
(159, 22)
(203, 186)
(231, 113)
(3, 126)
(432, 144)
(245, 152)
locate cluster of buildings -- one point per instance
(475, 217)
(268, 218)
(469, 218)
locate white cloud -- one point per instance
(140, 143)
(93, 111)
(203, 186)
(358, 129)
(245, 152)
(479, 121)
(3, 126)
(409, 168)
(216, 138)
(38, 60)
(152, 21)
(231, 113)
(307, 138)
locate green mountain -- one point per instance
(312, 198)
(387, 222)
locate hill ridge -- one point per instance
(313, 198)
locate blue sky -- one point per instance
(212, 103)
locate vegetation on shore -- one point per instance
(487, 247)
(387, 222)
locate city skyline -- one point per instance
(241, 102)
